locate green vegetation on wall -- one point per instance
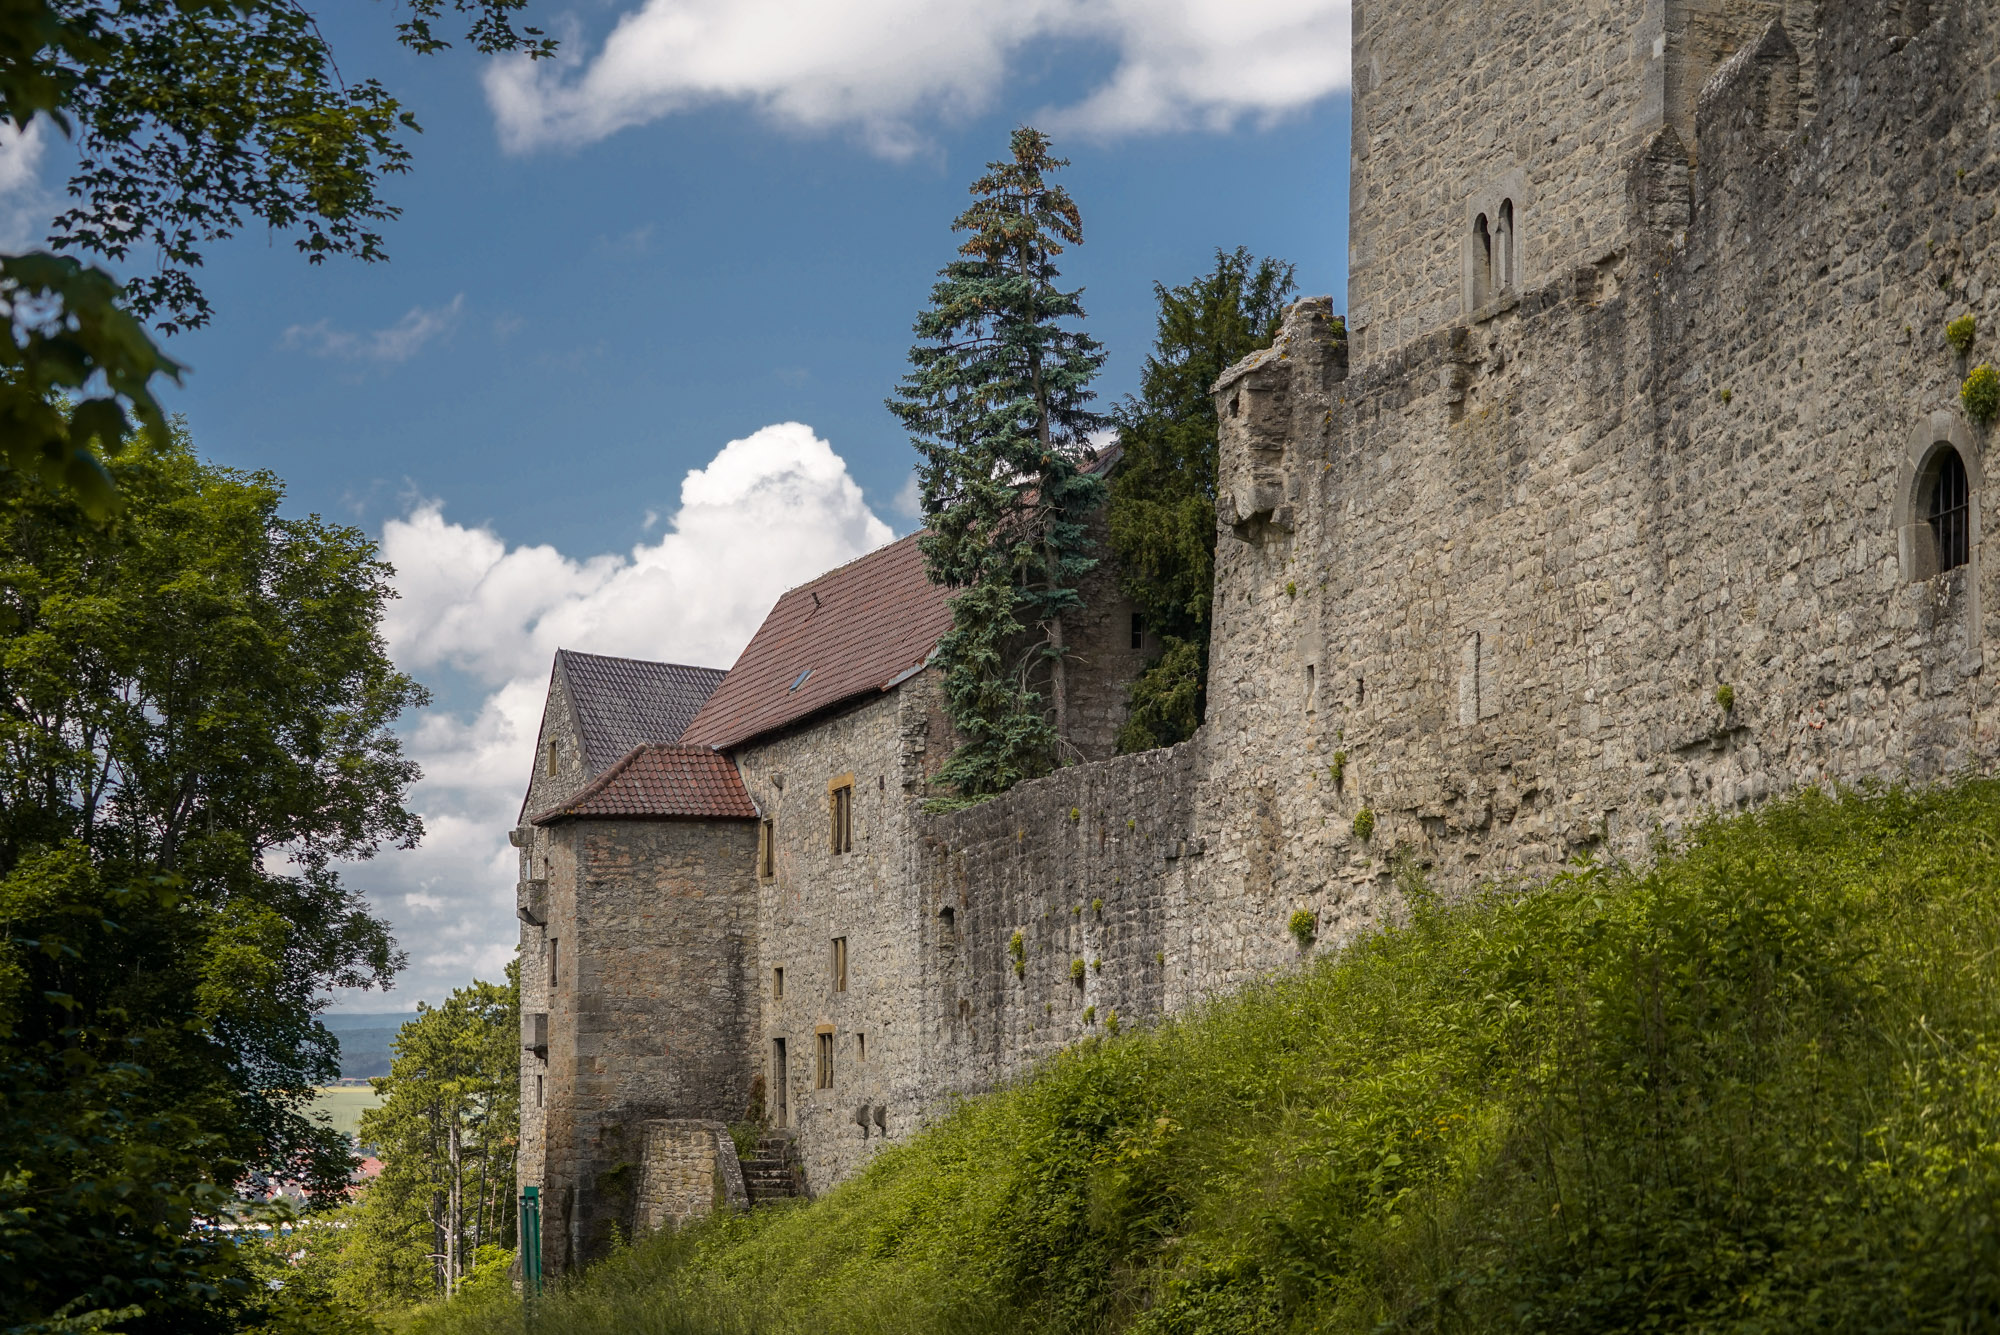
(1981, 394)
(1162, 512)
(1750, 1089)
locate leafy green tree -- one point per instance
(447, 1133)
(195, 707)
(997, 403)
(192, 119)
(1162, 511)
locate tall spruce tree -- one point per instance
(997, 404)
(1162, 512)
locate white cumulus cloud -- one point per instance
(397, 343)
(25, 203)
(768, 512)
(887, 69)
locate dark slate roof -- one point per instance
(854, 631)
(621, 703)
(660, 780)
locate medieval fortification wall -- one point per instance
(1604, 515)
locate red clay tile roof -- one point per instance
(621, 703)
(851, 632)
(660, 779)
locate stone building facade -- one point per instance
(1635, 485)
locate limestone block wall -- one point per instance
(688, 1170)
(1103, 661)
(864, 897)
(1091, 866)
(1521, 554)
(646, 970)
(1459, 108)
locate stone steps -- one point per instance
(772, 1175)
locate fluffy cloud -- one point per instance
(397, 343)
(885, 68)
(768, 512)
(25, 204)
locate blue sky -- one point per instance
(714, 218)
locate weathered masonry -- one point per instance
(1635, 484)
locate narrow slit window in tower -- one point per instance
(1503, 249)
(840, 964)
(1482, 262)
(823, 1066)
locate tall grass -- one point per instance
(1752, 1088)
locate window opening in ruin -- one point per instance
(555, 948)
(777, 984)
(842, 803)
(552, 755)
(1503, 249)
(949, 917)
(823, 1066)
(1138, 630)
(1482, 262)
(1311, 671)
(1950, 511)
(861, 1047)
(538, 1091)
(767, 854)
(840, 964)
(781, 1082)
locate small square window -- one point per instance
(840, 964)
(823, 1066)
(777, 984)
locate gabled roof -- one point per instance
(621, 703)
(853, 631)
(661, 780)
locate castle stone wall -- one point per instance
(1090, 866)
(1522, 555)
(650, 999)
(688, 1170)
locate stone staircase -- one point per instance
(775, 1174)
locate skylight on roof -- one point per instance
(801, 679)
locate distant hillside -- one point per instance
(1753, 1089)
(365, 1039)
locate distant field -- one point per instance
(344, 1104)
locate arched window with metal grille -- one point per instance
(1949, 511)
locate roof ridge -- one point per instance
(643, 662)
(852, 561)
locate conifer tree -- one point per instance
(997, 403)
(1162, 510)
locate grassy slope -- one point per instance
(1752, 1089)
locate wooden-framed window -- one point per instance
(840, 964)
(767, 849)
(840, 811)
(823, 1059)
(778, 984)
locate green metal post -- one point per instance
(531, 1241)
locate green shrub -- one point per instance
(1017, 946)
(1981, 394)
(1364, 823)
(1337, 771)
(1960, 333)
(1750, 1089)
(1725, 697)
(1090, 1015)
(1302, 926)
(1097, 906)
(1076, 971)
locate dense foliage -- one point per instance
(447, 1134)
(997, 403)
(194, 726)
(1162, 512)
(1752, 1089)
(191, 119)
